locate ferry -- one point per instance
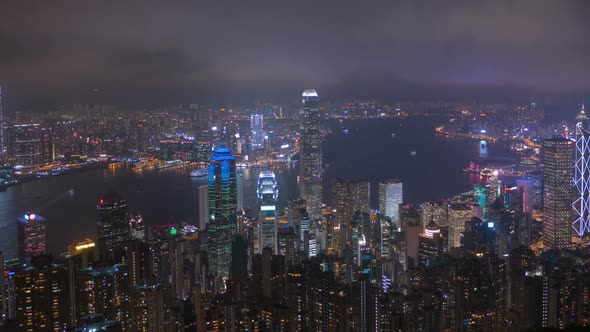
(473, 168)
(171, 164)
(198, 173)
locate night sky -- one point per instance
(142, 52)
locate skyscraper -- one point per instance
(203, 198)
(459, 214)
(104, 288)
(267, 193)
(581, 205)
(136, 227)
(26, 144)
(390, 198)
(310, 160)
(42, 296)
(222, 211)
(112, 226)
(558, 161)
(348, 197)
(257, 131)
(31, 236)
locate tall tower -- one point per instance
(222, 211)
(267, 222)
(31, 236)
(390, 198)
(581, 205)
(112, 226)
(311, 153)
(558, 158)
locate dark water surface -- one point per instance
(367, 151)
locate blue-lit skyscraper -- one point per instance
(267, 193)
(222, 211)
(257, 131)
(310, 155)
(581, 205)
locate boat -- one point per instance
(198, 173)
(473, 168)
(413, 153)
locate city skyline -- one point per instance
(326, 166)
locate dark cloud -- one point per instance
(145, 52)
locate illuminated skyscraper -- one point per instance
(257, 131)
(240, 190)
(348, 197)
(222, 210)
(459, 214)
(42, 296)
(104, 288)
(136, 227)
(151, 308)
(558, 161)
(267, 193)
(31, 236)
(582, 175)
(431, 244)
(203, 198)
(435, 211)
(390, 197)
(26, 144)
(112, 226)
(310, 160)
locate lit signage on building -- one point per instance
(85, 246)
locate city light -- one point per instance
(85, 246)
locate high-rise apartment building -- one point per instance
(103, 289)
(42, 296)
(558, 165)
